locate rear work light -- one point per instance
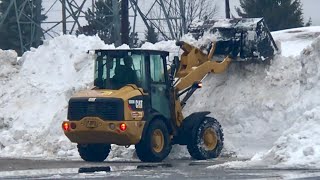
(197, 85)
(123, 126)
(66, 126)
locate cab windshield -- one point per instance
(115, 69)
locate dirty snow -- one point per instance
(268, 112)
(285, 108)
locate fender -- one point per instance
(185, 131)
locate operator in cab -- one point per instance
(124, 74)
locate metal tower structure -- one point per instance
(73, 12)
(164, 15)
(26, 13)
(168, 17)
(69, 20)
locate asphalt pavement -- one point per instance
(169, 169)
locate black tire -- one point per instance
(197, 146)
(94, 152)
(145, 149)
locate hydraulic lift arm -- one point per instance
(195, 65)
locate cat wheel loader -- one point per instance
(138, 100)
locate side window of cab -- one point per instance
(156, 69)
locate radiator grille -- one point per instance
(104, 108)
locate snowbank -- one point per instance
(290, 136)
(295, 40)
(250, 103)
(8, 62)
(268, 112)
(33, 103)
(299, 146)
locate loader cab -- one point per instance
(147, 69)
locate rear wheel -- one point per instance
(155, 146)
(207, 140)
(94, 152)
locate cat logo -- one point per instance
(139, 104)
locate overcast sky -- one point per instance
(310, 9)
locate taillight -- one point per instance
(123, 126)
(66, 126)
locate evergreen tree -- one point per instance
(134, 40)
(309, 23)
(9, 32)
(151, 35)
(278, 14)
(100, 22)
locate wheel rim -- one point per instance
(210, 139)
(157, 140)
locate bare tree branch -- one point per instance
(180, 13)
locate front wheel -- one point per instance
(155, 145)
(94, 152)
(207, 140)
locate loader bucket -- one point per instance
(244, 39)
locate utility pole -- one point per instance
(116, 22)
(124, 22)
(64, 18)
(183, 16)
(92, 7)
(227, 9)
(19, 27)
(38, 30)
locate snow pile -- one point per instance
(33, 103)
(299, 146)
(169, 46)
(250, 103)
(8, 62)
(295, 40)
(203, 42)
(256, 104)
(288, 126)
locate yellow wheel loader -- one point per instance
(138, 100)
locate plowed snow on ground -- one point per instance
(269, 113)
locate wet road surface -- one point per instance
(169, 169)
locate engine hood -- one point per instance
(124, 93)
